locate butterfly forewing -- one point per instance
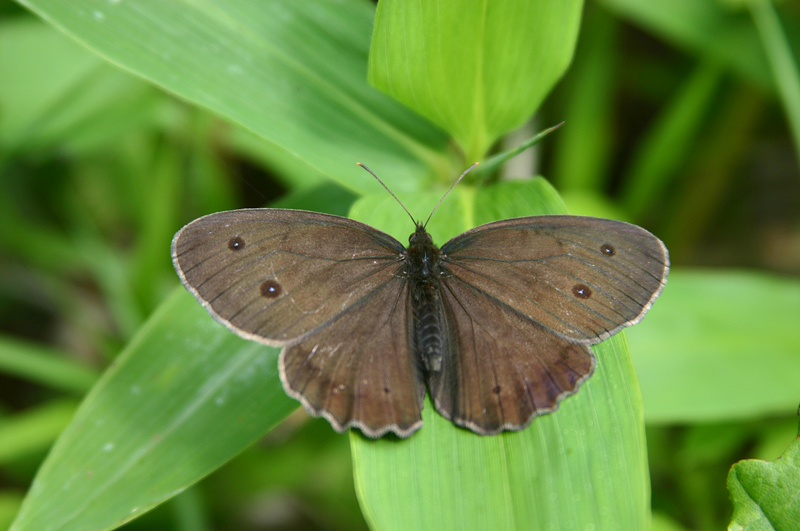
(579, 277)
(274, 275)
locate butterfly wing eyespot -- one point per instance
(236, 244)
(582, 291)
(271, 289)
(608, 250)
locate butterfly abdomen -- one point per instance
(424, 271)
(429, 335)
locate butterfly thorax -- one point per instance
(424, 272)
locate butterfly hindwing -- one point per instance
(358, 371)
(502, 368)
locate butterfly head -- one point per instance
(423, 256)
(420, 237)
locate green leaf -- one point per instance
(493, 164)
(9, 506)
(662, 522)
(698, 193)
(157, 222)
(38, 77)
(707, 28)
(44, 366)
(719, 345)
(482, 76)
(666, 144)
(33, 430)
(292, 72)
(292, 172)
(766, 495)
(583, 151)
(190, 512)
(326, 197)
(783, 65)
(582, 467)
(183, 398)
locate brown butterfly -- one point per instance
(496, 323)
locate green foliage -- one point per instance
(765, 495)
(485, 75)
(679, 116)
(134, 441)
(693, 383)
(517, 480)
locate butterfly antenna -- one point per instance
(448, 191)
(387, 189)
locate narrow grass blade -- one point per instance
(33, 430)
(492, 165)
(44, 366)
(583, 149)
(783, 65)
(292, 72)
(710, 29)
(666, 145)
(184, 397)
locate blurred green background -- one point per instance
(683, 117)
